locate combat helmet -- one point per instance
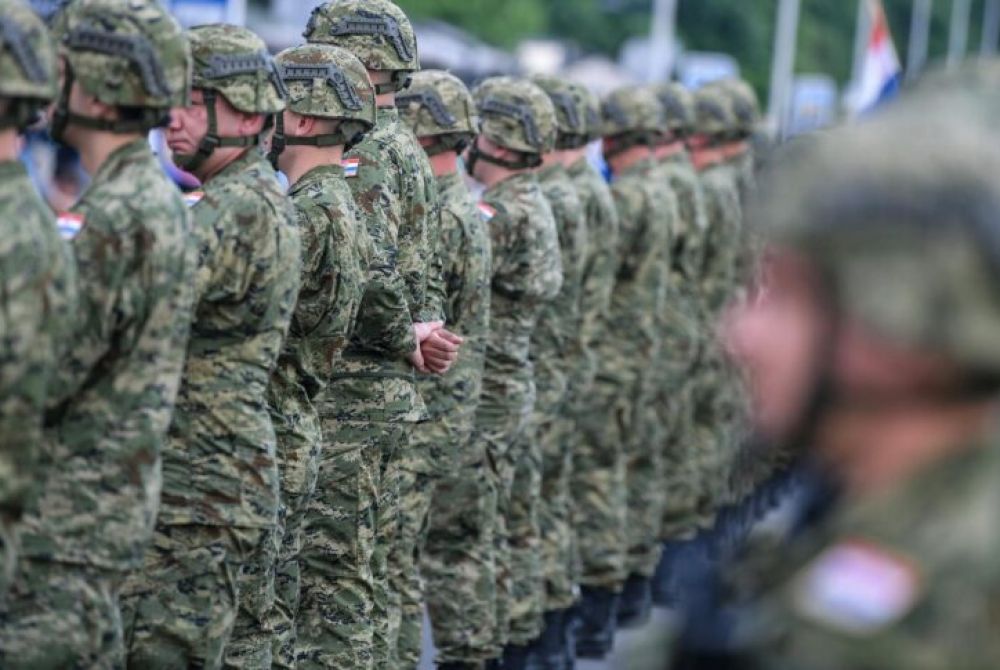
(233, 62)
(745, 106)
(678, 109)
(571, 101)
(129, 55)
(439, 106)
(714, 116)
(376, 31)
(326, 82)
(631, 116)
(900, 216)
(27, 65)
(517, 115)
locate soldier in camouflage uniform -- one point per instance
(872, 347)
(648, 212)
(448, 516)
(557, 353)
(681, 519)
(350, 615)
(518, 126)
(207, 581)
(115, 389)
(37, 274)
(738, 152)
(331, 103)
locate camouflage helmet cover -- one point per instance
(327, 82)
(376, 31)
(745, 104)
(516, 114)
(571, 102)
(714, 116)
(235, 62)
(632, 111)
(438, 103)
(900, 215)
(27, 54)
(125, 54)
(678, 107)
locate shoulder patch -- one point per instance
(486, 213)
(193, 198)
(69, 224)
(350, 166)
(857, 587)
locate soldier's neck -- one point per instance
(10, 145)
(445, 163)
(669, 150)
(626, 159)
(303, 159)
(96, 146)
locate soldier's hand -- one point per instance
(440, 350)
(424, 330)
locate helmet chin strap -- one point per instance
(212, 140)
(346, 133)
(529, 161)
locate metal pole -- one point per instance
(991, 28)
(920, 30)
(958, 40)
(661, 39)
(783, 67)
(861, 30)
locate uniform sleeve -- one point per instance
(631, 227)
(385, 323)
(451, 250)
(320, 274)
(436, 292)
(602, 266)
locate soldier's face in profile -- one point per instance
(777, 337)
(188, 125)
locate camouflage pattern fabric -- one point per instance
(597, 485)
(556, 357)
(180, 609)
(335, 250)
(440, 446)
(527, 273)
(38, 298)
(116, 389)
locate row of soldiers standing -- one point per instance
(252, 428)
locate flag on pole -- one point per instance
(880, 73)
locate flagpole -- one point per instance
(783, 65)
(991, 28)
(920, 30)
(958, 40)
(662, 36)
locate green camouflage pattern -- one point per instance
(27, 68)
(516, 114)
(678, 107)
(162, 77)
(376, 31)
(438, 103)
(631, 110)
(220, 467)
(335, 251)
(117, 385)
(745, 104)
(342, 92)
(555, 354)
(255, 87)
(714, 115)
(571, 102)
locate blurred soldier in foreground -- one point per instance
(394, 182)
(131, 237)
(681, 517)
(37, 273)
(448, 516)
(872, 343)
(207, 581)
(518, 127)
(330, 103)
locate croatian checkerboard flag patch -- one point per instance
(350, 166)
(857, 588)
(69, 225)
(486, 212)
(193, 198)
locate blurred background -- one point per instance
(810, 60)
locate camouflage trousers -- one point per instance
(62, 616)
(458, 565)
(714, 439)
(337, 586)
(8, 558)
(681, 459)
(252, 639)
(644, 476)
(180, 607)
(599, 492)
(527, 592)
(555, 435)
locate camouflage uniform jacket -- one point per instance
(220, 466)
(600, 267)
(646, 212)
(464, 248)
(904, 578)
(722, 238)
(527, 274)
(137, 265)
(37, 301)
(393, 186)
(336, 251)
(555, 344)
